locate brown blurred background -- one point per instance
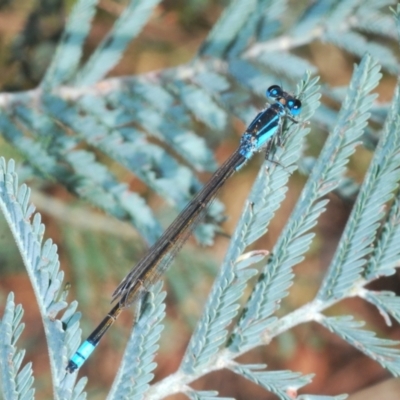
(88, 240)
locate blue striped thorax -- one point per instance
(268, 122)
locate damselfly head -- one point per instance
(291, 103)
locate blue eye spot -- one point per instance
(294, 105)
(274, 91)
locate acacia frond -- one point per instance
(15, 383)
(355, 245)
(380, 350)
(138, 362)
(42, 264)
(295, 239)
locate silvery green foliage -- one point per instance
(42, 264)
(381, 350)
(15, 383)
(381, 180)
(141, 346)
(295, 238)
(249, 48)
(205, 395)
(282, 383)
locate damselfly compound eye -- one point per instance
(294, 105)
(274, 91)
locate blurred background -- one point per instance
(96, 250)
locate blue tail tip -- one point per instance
(71, 367)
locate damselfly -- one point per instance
(266, 126)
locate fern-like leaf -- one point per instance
(358, 45)
(78, 170)
(386, 252)
(227, 28)
(110, 51)
(283, 383)
(221, 308)
(204, 395)
(355, 244)
(69, 51)
(202, 106)
(386, 302)
(92, 120)
(15, 383)
(168, 127)
(137, 364)
(41, 262)
(295, 240)
(380, 350)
